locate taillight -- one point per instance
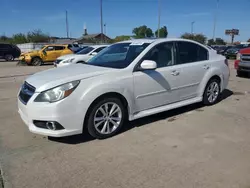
(236, 64)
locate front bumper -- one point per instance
(72, 121)
(24, 59)
(244, 66)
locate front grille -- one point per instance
(26, 92)
(58, 61)
(245, 57)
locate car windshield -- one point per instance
(85, 50)
(118, 55)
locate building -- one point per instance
(94, 38)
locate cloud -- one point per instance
(55, 17)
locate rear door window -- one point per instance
(189, 52)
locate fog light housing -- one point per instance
(50, 125)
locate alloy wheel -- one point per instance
(213, 92)
(107, 118)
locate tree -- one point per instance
(211, 42)
(196, 37)
(163, 32)
(5, 39)
(37, 36)
(142, 32)
(220, 41)
(19, 38)
(248, 40)
(121, 38)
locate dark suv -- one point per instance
(9, 51)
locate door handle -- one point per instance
(206, 67)
(175, 73)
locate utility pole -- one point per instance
(192, 27)
(159, 17)
(67, 25)
(105, 30)
(215, 18)
(101, 21)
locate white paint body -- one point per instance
(146, 92)
(78, 57)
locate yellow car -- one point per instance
(47, 54)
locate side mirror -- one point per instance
(44, 52)
(148, 65)
(93, 53)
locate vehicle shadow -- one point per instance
(82, 138)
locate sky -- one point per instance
(121, 16)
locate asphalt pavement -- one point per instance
(194, 146)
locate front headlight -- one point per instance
(57, 93)
(69, 60)
(238, 57)
(236, 51)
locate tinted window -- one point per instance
(99, 49)
(5, 46)
(59, 47)
(86, 50)
(118, 55)
(189, 52)
(50, 48)
(162, 54)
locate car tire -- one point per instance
(212, 92)
(36, 61)
(240, 74)
(9, 57)
(106, 118)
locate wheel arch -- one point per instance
(208, 77)
(121, 97)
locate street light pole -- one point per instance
(215, 18)
(101, 21)
(67, 25)
(159, 17)
(192, 27)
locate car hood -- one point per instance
(66, 56)
(245, 51)
(57, 76)
(232, 50)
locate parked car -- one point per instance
(74, 47)
(47, 54)
(9, 51)
(80, 57)
(242, 62)
(126, 81)
(232, 52)
(222, 49)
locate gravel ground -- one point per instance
(194, 146)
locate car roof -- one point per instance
(98, 46)
(56, 45)
(160, 40)
(152, 40)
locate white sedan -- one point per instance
(80, 57)
(125, 81)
